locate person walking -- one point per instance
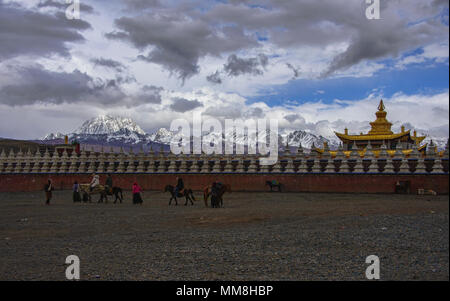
(137, 197)
(76, 192)
(48, 191)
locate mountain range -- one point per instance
(115, 131)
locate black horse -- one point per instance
(116, 192)
(272, 185)
(187, 193)
(216, 195)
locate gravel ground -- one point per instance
(257, 236)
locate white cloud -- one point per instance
(310, 54)
(434, 53)
(421, 111)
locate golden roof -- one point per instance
(376, 152)
(380, 130)
(372, 137)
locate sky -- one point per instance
(319, 66)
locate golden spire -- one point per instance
(381, 106)
(381, 126)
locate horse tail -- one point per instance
(121, 195)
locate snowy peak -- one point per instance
(53, 136)
(162, 135)
(291, 137)
(106, 124)
(113, 130)
(303, 138)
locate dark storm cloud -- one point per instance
(439, 3)
(404, 26)
(182, 105)
(263, 60)
(39, 85)
(109, 63)
(254, 113)
(28, 32)
(34, 84)
(214, 78)
(292, 117)
(176, 41)
(380, 40)
(141, 4)
(178, 36)
(236, 66)
(150, 94)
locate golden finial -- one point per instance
(381, 106)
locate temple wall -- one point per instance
(340, 183)
(296, 171)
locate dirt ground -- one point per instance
(256, 236)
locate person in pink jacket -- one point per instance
(137, 198)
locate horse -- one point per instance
(218, 202)
(272, 184)
(187, 193)
(115, 191)
(103, 191)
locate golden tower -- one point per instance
(380, 134)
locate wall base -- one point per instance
(344, 183)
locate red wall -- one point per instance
(356, 183)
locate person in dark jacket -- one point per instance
(76, 192)
(48, 191)
(179, 187)
(216, 199)
(109, 184)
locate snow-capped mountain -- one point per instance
(107, 130)
(105, 124)
(53, 136)
(291, 137)
(163, 136)
(305, 139)
(119, 131)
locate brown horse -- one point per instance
(207, 193)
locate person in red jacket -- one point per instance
(137, 197)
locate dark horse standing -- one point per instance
(187, 193)
(272, 185)
(217, 200)
(115, 191)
